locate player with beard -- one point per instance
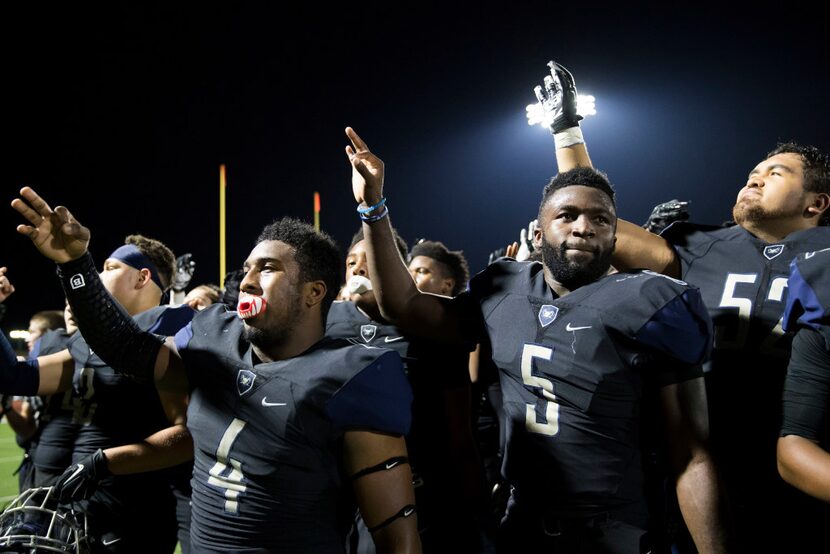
(449, 486)
(781, 212)
(580, 351)
(277, 411)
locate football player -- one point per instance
(578, 349)
(437, 269)
(447, 476)
(741, 270)
(118, 431)
(276, 410)
(803, 458)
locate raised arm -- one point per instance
(6, 287)
(382, 481)
(636, 247)
(399, 299)
(106, 327)
(698, 492)
(557, 101)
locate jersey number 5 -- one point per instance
(550, 425)
(226, 473)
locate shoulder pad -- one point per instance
(503, 275)
(663, 313)
(688, 235)
(808, 296)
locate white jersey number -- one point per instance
(731, 299)
(227, 472)
(550, 426)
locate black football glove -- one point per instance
(665, 214)
(185, 266)
(80, 480)
(495, 255)
(558, 97)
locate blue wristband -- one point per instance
(372, 208)
(373, 218)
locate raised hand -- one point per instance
(498, 253)
(6, 287)
(526, 242)
(55, 233)
(185, 267)
(558, 98)
(367, 171)
(665, 214)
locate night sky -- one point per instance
(123, 113)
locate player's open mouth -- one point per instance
(250, 306)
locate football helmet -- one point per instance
(34, 523)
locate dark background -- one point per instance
(124, 111)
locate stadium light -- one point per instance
(19, 334)
(536, 114)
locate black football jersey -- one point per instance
(807, 387)
(440, 443)
(266, 472)
(56, 431)
(808, 304)
(574, 371)
(743, 281)
(113, 409)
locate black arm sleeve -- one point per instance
(807, 388)
(106, 327)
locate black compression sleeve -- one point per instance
(807, 388)
(107, 328)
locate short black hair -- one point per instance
(399, 242)
(316, 254)
(816, 169)
(230, 293)
(453, 261)
(583, 176)
(159, 254)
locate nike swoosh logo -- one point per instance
(408, 512)
(569, 328)
(75, 473)
(391, 339)
(391, 465)
(265, 403)
(113, 541)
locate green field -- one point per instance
(10, 456)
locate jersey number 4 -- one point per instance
(550, 424)
(226, 473)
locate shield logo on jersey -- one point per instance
(245, 381)
(367, 332)
(547, 314)
(773, 251)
